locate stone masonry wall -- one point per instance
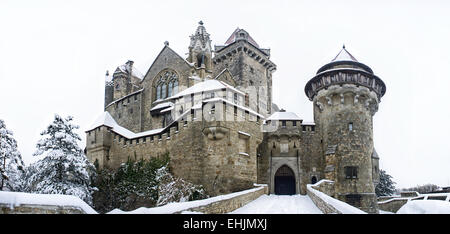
(218, 163)
(40, 209)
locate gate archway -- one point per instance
(284, 181)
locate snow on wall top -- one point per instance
(181, 206)
(207, 85)
(284, 116)
(17, 198)
(341, 206)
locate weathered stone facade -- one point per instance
(212, 112)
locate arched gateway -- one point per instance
(284, 181)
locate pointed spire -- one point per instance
(200, 35)
(344, 55)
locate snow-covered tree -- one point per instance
(12, 167)
(173, 189)
(386, 186)
(64, 169)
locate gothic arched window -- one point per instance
(166, 85)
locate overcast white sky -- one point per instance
(54, 54)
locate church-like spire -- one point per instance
(200, 52)
(200, 38)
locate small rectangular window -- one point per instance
(294, 123)
(283, 123)
(351, 172)
(350, 126)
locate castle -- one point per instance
(212, 112)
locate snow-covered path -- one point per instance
(279, 204)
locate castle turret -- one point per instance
(126, 79)
(346, 94)
(250, 66)
(200, 52)
(109, 89)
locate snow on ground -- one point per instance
(279, 204)
(425, 207)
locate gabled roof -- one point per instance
(232, 38)
(282, 115)
(105, 119)
(166, 47)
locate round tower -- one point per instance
(346, 94)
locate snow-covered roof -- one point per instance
(126, 69)
(344, 55)
(207, 85)
(105, 119)
(284, 116)
(162, 105)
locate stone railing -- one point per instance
(29, 203)
(216, 205)
(327, 204)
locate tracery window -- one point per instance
(166, 85)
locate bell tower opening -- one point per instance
(284, 181)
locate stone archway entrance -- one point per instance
(284, 181)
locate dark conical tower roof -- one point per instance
(344, 55)
(344, 69)
(345, 59)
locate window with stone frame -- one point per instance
(166, 85)
(351, 172)
(243, 144)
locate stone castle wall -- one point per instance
(223, 163)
